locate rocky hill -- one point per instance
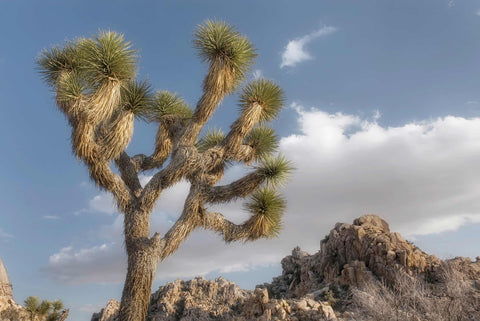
(363, 271)
(9, 310)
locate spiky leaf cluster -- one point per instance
(57, 305)
(267, 207)
(263, 140)
(265, 93)
(70, 87)
(212, 138)
(136, 97)
(276, 170)
(31, 304)
(107, 56)
(218, 42)
(44, 308)
(168, 104)
(52, 63)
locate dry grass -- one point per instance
(413, 299)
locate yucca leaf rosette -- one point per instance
(229, 53)
(267, 207)
(266, 94)
(166, 108)
(108, 57)
(212, 138)
(262, 140)
(54, 62)
(276, 170)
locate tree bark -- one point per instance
(138, 286)
(143, 258)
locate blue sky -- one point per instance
(382, 116)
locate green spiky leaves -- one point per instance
(219, 43)
(52, 63)
(276, 170)
(267, 207)
(57, 305)
(136, 97)
(31, 304)
(44, 307)
(265, 93)
(263, 140)
(212, 138)
(108, 56)
(168, 104)
(70, 87)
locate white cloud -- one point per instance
(257, 74)
(295, 50)
(91, 308)
(87, 265)
(422, 177)
(4, 235)
(51, 217)
(101, 203)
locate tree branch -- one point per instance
(243, 154)
(185, 160)
(101, 174)
(168, 132)
(186, 223)
(237, 189)
(88, 150)
(241, 127)
(214, 89)
(218, 223)
(129, 173)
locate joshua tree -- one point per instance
(95, 86)
(31, 305)
(57, 305)
(42, 310)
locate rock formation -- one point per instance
(200, 299)
(108, 313)
(5, 286)
(9, 310)
(352, 256)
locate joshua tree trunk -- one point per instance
(143, 258)
(95, 86)
(138, 285)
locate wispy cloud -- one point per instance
(51, 217)
(4, 235)
(101, 203)
(295, 52)
(91, 308)
(257, 74)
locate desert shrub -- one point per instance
(410, 298)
